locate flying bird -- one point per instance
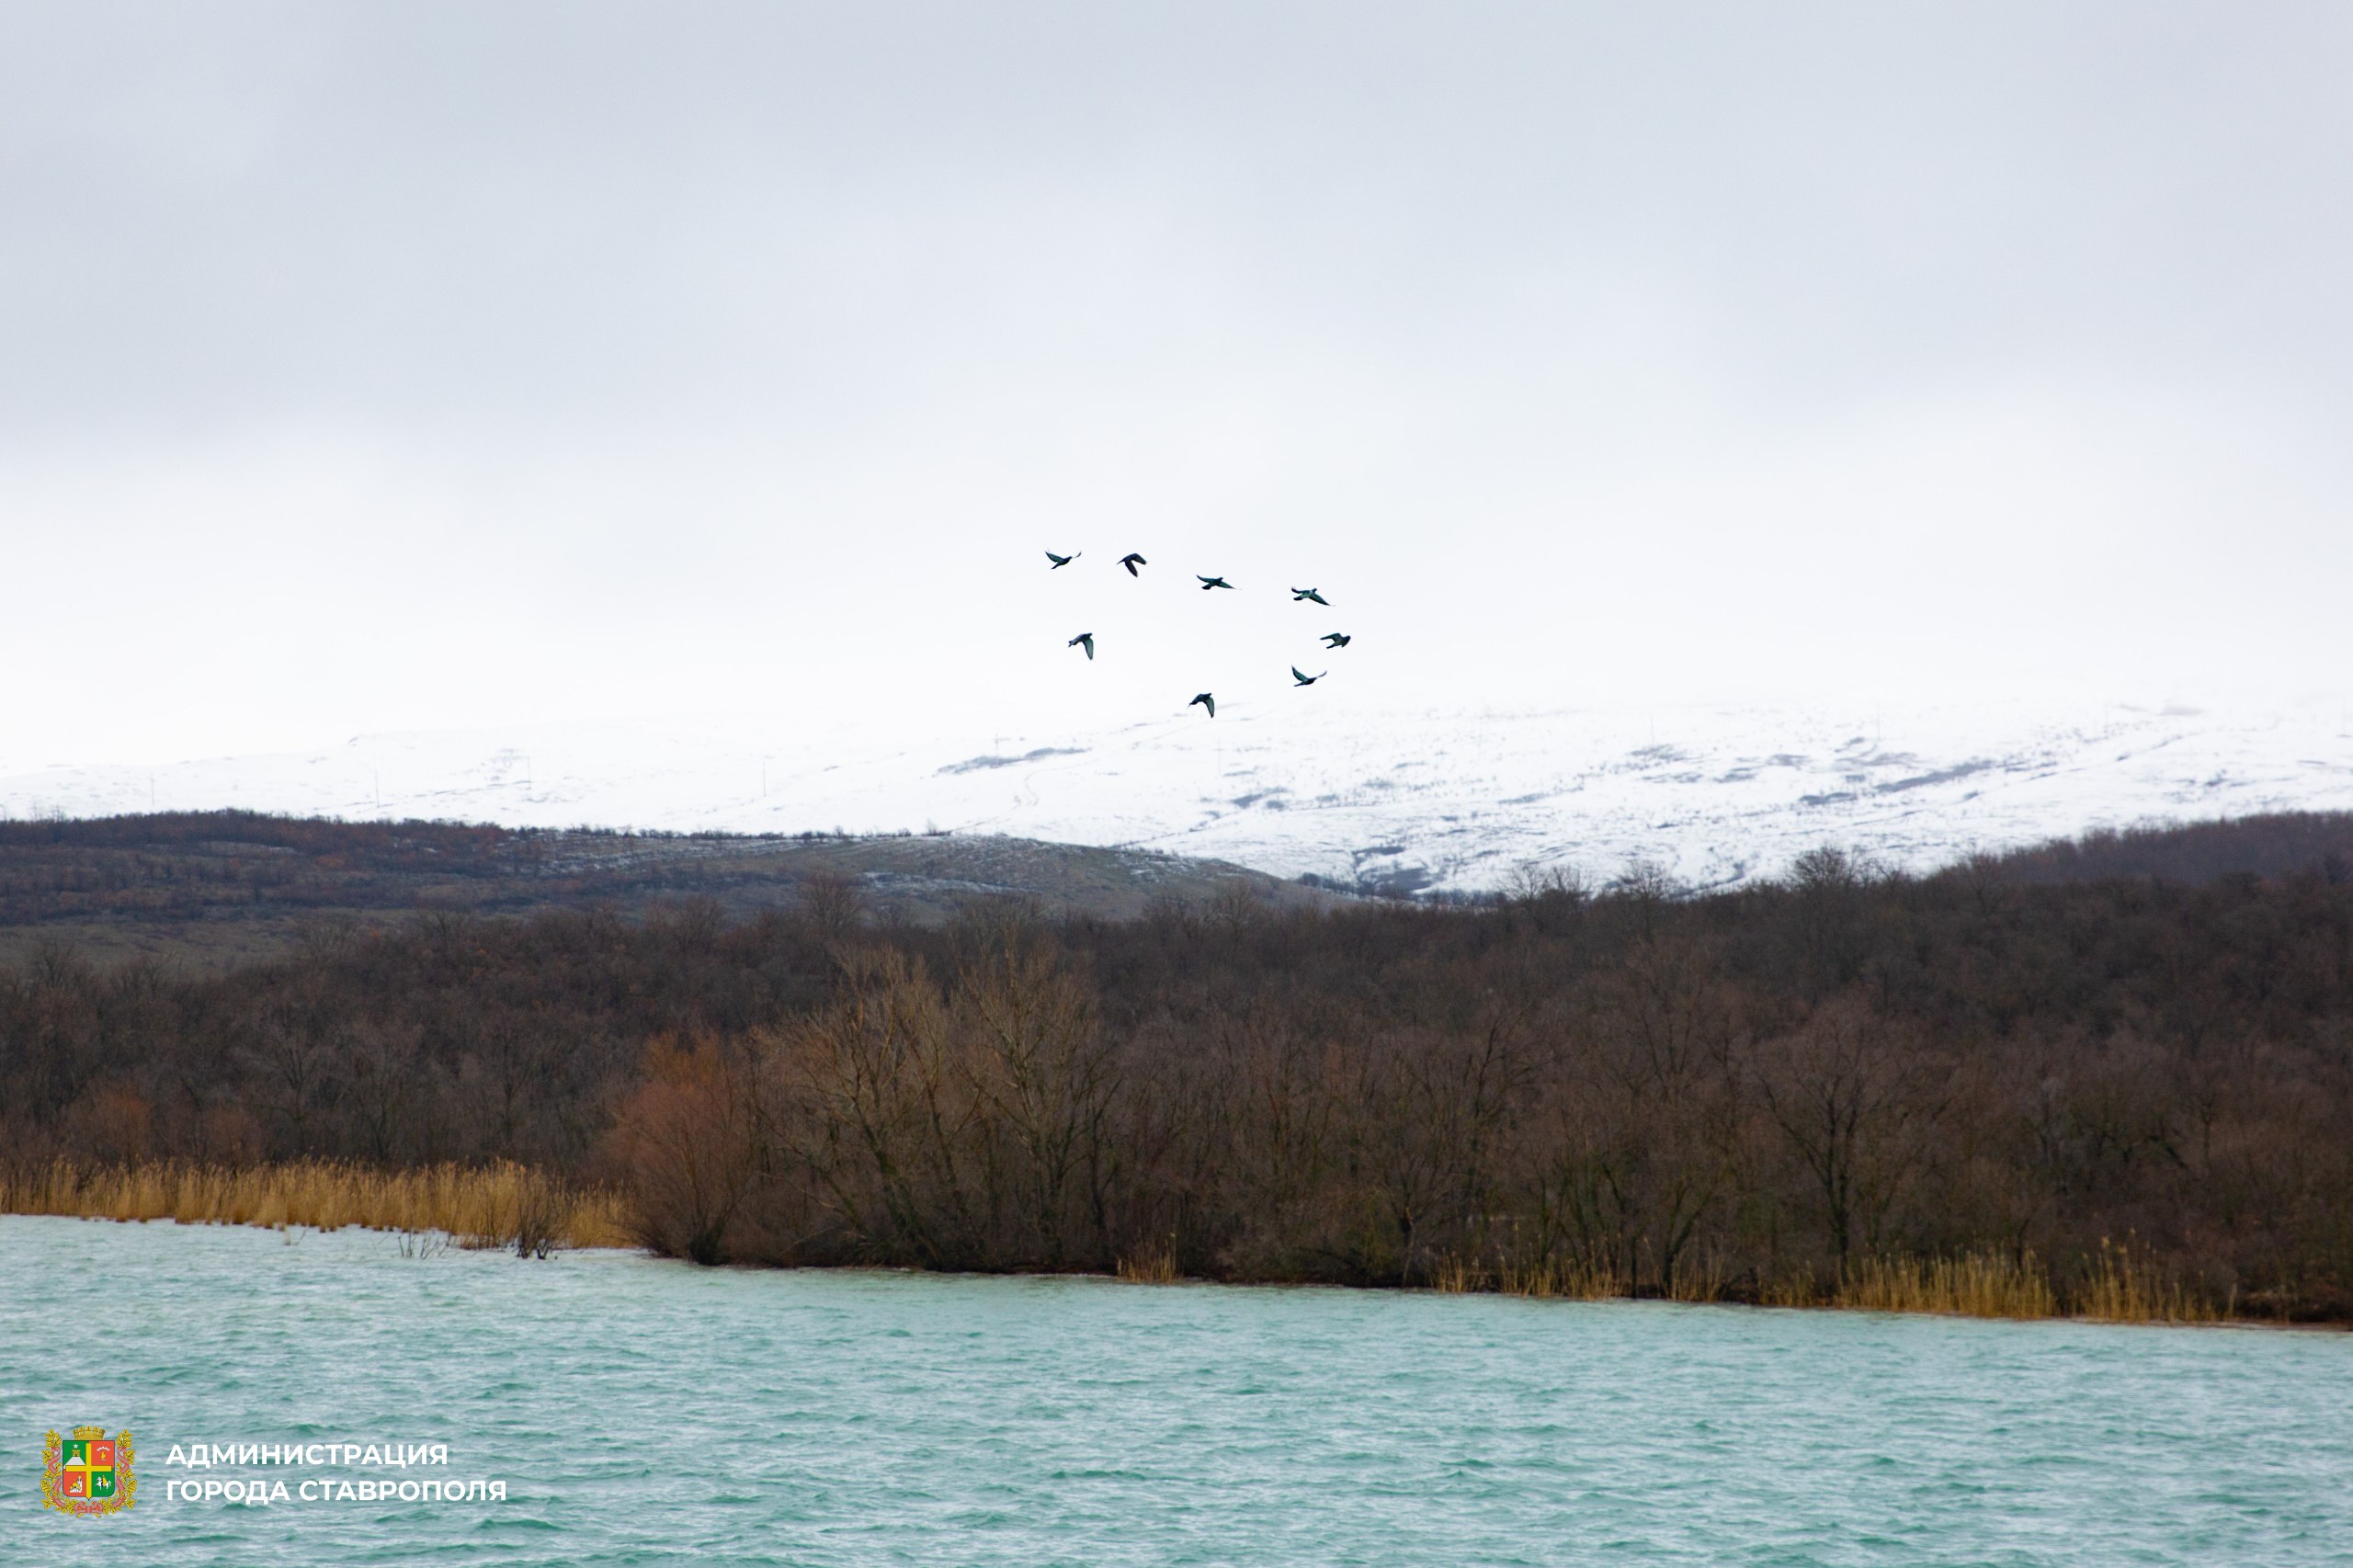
(1131, 561)
(1062, 561)
(1299, 594)
(1083, 640)
(1209, 582)
(1206, 700)
(1307, 680)
(1336, 640)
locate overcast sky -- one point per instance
(369, 366)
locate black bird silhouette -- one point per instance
(1206, 700)
(1083, 640)
(1299, 594)
(1307, 680)
(1062, 561)
(1131, 561)
(1336, 640)
(1209, 582)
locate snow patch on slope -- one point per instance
(1426, 801)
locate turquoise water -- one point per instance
(644, 1413)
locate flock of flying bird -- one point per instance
(1131, 561)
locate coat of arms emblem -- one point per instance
(88, 1473)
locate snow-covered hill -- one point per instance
(1430, 800)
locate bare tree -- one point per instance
(1853, 1094)
(832, 907)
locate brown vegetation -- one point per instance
(1148, 1267)
(2131, 1098)
(1977, 1285)
(494, 1206)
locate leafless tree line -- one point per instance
(1690, 1097)
(1656, 1123)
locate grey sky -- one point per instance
(423, 365)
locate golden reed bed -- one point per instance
(2121, 1285)
(482, 1206)
(2118, 1285)
(1975, 1285)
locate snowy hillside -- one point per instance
(1429, 800)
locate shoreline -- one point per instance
(448, 1241)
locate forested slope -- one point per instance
(1718, 1092)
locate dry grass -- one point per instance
(487, 1205)
(1539, 1279)
(2128, 1286)
(1546, 1279)
(1699, 1277)
(1976, 1285)
(2123, 1286)
(1457, 1276)
(1798, 1290)
(1150, 1267)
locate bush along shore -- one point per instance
(1970, 1092)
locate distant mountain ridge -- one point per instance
(1396, 801)
(218, 888)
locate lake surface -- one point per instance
(644, 1411)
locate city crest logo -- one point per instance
(89, 1474)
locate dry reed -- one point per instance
(480, 1206)
(1546, 1279)
(1541, 1278)
(1149, 1267)
(1976, 1285)
(2128, 1286)
(1798, 1290)
(1700, 1278)
(1457, 1276)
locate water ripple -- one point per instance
(646, 1412)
